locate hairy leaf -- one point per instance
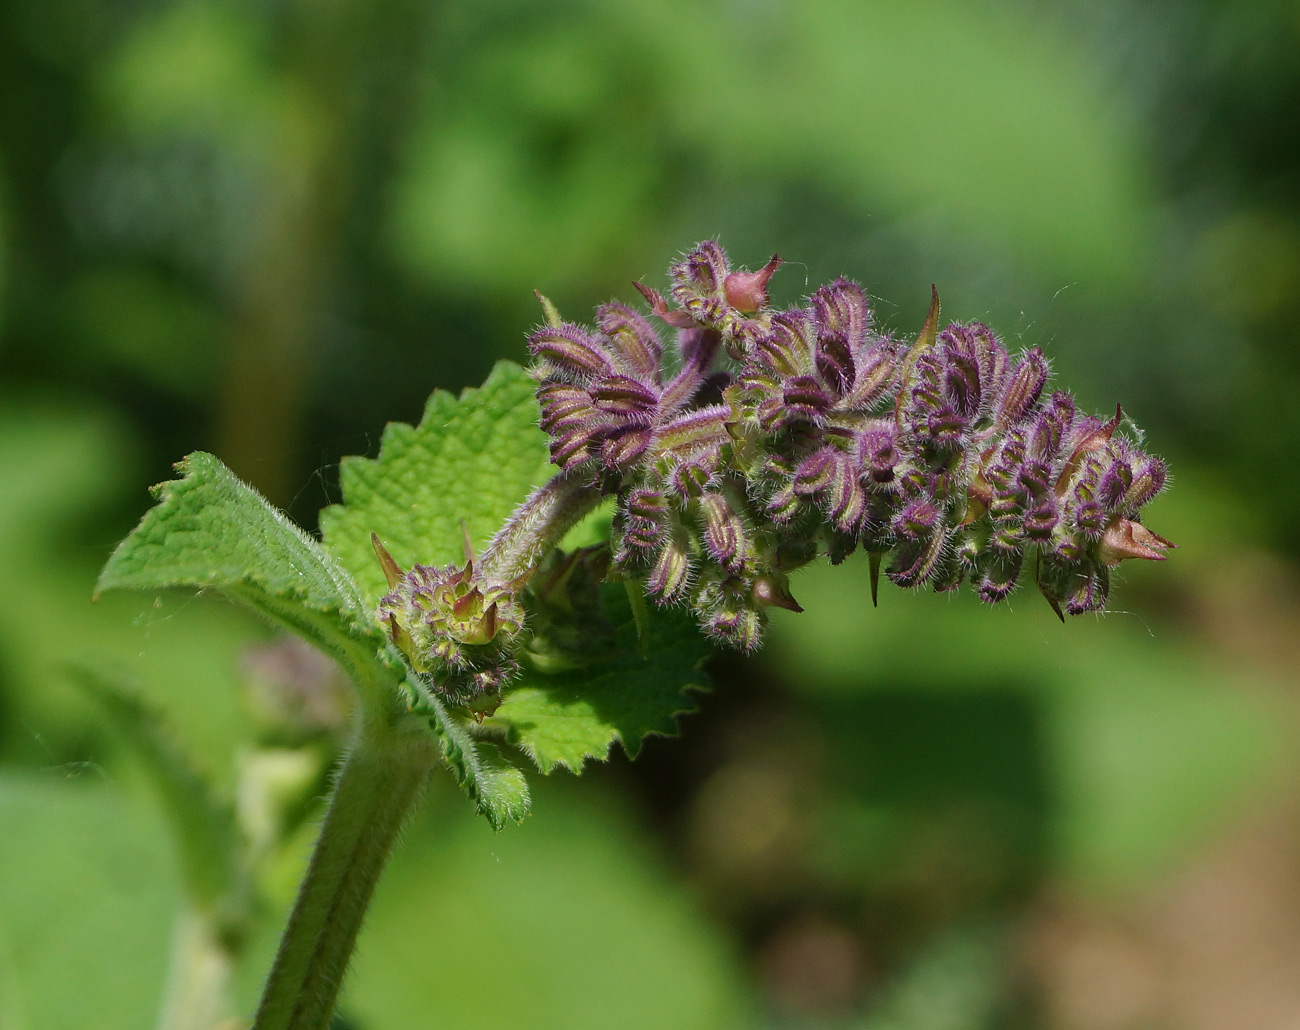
(462, 471)
(211, 531)
(467, 464)
(635, 688)
(497, 788)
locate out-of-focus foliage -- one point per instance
(263, 230)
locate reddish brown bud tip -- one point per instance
(467, 603)
(392, 571)
(924, 342)
(659, 308)
(1124, 539)
(1092, 442)
(747, 291)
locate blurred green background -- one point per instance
(265, 227)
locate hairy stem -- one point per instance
(539, 523)
(378, 787)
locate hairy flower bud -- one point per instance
(456, 625)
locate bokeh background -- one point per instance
(266, 227)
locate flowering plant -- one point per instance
(475, 597)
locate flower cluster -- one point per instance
(765, 437)
(762, 438)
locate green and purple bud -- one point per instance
(456, 625)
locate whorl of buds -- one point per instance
(768, 436)
(456, 625)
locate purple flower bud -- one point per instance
(879, 453)
(999, 578)
(1149, 476)
(694, 431)
(1007, 537)
(803, 399)
(624, 446)
(643, 524)
(1084, 589)
(1033, 479)
(917, 520)
(634, 337)
(816, 472)
(564, 405)
(991, 357)
(571, 352)
(914, 561)
(621, 395)
(961, 376)
(874, 370)
(690, 478)
(671, 576)
(738, 627)
(724, 533)
(700, 274)
(1090, 519)
(1023, 389)
(783, 505)
(1051, 426)
(1089, 438)
(787, 348)
(1115, 483)
(834, 363)
(846, 503)
(945, 428)
(842, 309)
(573, 448)
(1041, 519)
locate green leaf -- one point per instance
(637, 688)
(468, 464)
(211, 531)
(497, 788)
(470, 461)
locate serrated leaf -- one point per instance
(211, 531)
(471, 460)
(497, 788)
(640, 688)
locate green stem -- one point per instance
(378, 788)
(538, 524)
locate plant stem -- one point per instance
(539, 523)
(379, 786)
